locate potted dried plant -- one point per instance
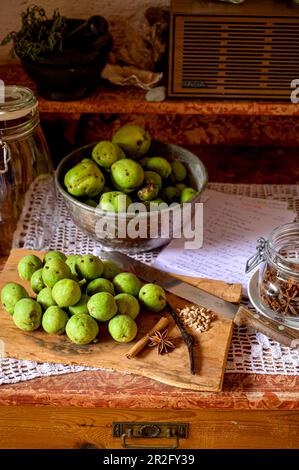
(63, 56)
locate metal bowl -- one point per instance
(109, 228)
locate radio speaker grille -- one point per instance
(234, 57)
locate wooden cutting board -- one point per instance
(210, 349)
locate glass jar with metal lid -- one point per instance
(24, 158)
(278, 284)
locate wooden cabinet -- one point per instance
(78, 411)
(72, 427)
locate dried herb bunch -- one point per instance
(38, 34)
(278, 293)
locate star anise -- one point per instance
(280, 294)
(161, 341)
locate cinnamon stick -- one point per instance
(159, 326)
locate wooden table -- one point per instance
(77, 410)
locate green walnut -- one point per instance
(28, 265)
(54, 320)
(102, 306)
(106, 189)
(160, 165)
(105, 153)
(66, 292)
(133, 139)
(111, 269)
(153, 297)
(127, 283)
(55, 270)
(27, 314)
(179, 172)
(127, 304)
(84, 180)
(81, 306)
(36, 281)
(180, 187)
(149, 192)
(122, 328)
(143, 161)
(158, 200)
(99, 285)
(155, 204)
(187, 195)
(170, 194)
(127, 175)
(91, 202)
(71, 261)
(153, 177)
(45, 299)
(89, 267)
(81, 329)
(54, 255)
(115, 201)
(11, 293)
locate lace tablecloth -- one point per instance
(250, 352)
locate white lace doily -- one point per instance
(250, 352)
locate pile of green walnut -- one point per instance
(113, 171)
(75, 294)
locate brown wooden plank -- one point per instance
(210, 351)
(46, 427)
(229, 292)
(114, 390)
(116, 99)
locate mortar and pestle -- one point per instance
(74, 72)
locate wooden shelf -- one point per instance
(115, 99)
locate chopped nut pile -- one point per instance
(196, 317)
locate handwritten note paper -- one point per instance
(232, 225)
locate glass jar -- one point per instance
(24, 157)
(279, 274)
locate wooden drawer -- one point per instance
(49, 427)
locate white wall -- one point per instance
(115, 10)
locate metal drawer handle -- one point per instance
(124, 444)
(148, 430)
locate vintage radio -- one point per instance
(224, 50)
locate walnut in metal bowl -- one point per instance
(109, 228)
